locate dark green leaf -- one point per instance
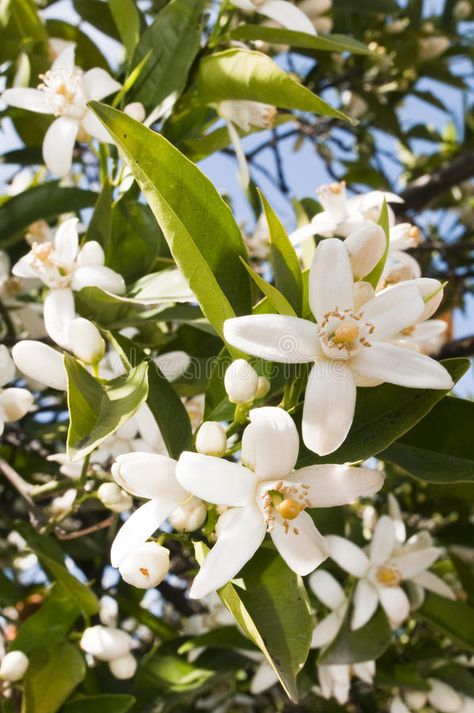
(280, 36)
(374, 276)
(53, 673)
(365, 644)
(274, 296)
(107, 703)
(454, 619)
(127, 20)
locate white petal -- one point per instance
(395, 513)
(328, 406)
(331, 284)
(237, 542)
(302, 547)
(97, 84)
(91, 253)
(413, 563)
(58, 145)
(59, 313)
(139, 527)
(287, 15)
(15, 403)
(264, 678)
(435, 584)
(244, 173)
(40, 362)
(325, 630)
(30, 99)
(365, 670)
(397, 706)
(94, 127)
(66, 242)
(443, 698)
(7, 366)
(148, 475)
(303, 232)
(365, 603)
(383, 541)
(24, 268)
(327, 589)
(332, 485)
(98, 276)
(275, 337)
(396, 604)
(173, 364)
(270, 443)
(216, 480)
(393, 311)
(366, 247)
(149, 430)
(396, 365)
(347, 555)
(66, 59)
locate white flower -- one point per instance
(426, 338)
(381, 572)
(348, 347)
(284, 13)
(64, 267)
(14, 666)
(86, 341)
(40, 362)
(211, 439)
(240, 382)
(146, 566)
(123, 667)
(265, 494)
(315, 9)
(330, 593)
(64, 92)
(217, 615)
(335, 681)
(105, 643)
(441, 698)
(189, 516)
(114, 497)
(14, 403)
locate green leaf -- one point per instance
(203, 237)
(365, 644)
(9, 591)
(285, 263)
(302, 40)
(100, 225)
(50, 624)
(458, 677)
(454, 619)
(439, 449)
(173, 39)
(383, 414)
(40, 203)
(374, 277)
(97, 410)
(88, 54)
(269, 602)
(274, 296)
(173, 674)
(98, 14)
(225, 637)
(53, 673)
(244, 74)
(127, 20)
(106, 703)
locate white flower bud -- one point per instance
(7, 366)
(211, 439)
(415, 699)
(40, 362)
(363, 292)
(188, 517)
(108, 611)
(13, 666)
(91, 253)
(105, 643)
(86, 341)
(146, 567)
(62, 505)
(114, 498)
(136, 111)
(263, 387)
(366, 246)
(241, 382)
(443, 698)
(123, 667)
(15, 403)
(462, 10)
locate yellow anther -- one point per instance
(415, 233)
(289, 508)
(42, 251)
(388, 576)
(346, 333)
(336, 188)
(407, 331)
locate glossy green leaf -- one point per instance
(127, 20)
(97, 13)
(454, 619)
(373, 277)
(54, 672)
(173, 674)
(173, 40)
(274, 296)
(100, 224)
(244, 74)
(9, 591)
(203, 237)
(223, 637)
(106, 703)
(439, 449)
(383, 414)
(269, 602)
(365, 644)
(97, 410)
(301, 40)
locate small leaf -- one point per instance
(53, 673)
(301, 40)
(127, 20)
(224, 637)
(454, 619)
(276, 299)
(374, 277)
(365, 644)
(106, 703)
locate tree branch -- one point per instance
(458, 348)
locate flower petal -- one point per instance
(216, 480)
(59, 312)
(40, 362)
(139, 527)
(275, 337)
(287, 15)
(302, 546)
(238, 540)
(94, 127)
(7, 366)
(328, 406)
(331, 284)
(444, 698)
(98, 276)
(58, 145)
(365, 603)
(395, 603)
(65, 59)
(327, 589)
(97, 84)
(435, 584)
(148, 475)
(393, 311)
(398, 706)
(331, 485)
(263, 679)
(383, 541)
(29, 99)
(325, 630)
(347, 555)
(270, 443)
(404, 367)
(413, 563)
(149, 430)
(66, 242)
(365, 670)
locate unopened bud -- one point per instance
(263, 387)
(366, 247)
(146, 566)
(211, 439)
(114, 498)
(415, 700)
(15, 403)
(189, 516)
(40, 362)
(123, 667)
(7, 366)
(136, 111)
(91, 253)
(86, 341)
(14, 666)
(241, 382)
(105, 643)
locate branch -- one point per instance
(458, 348)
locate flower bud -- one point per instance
(136, 111)
(211, 439)
(108, 611)
(105, 643)
(443, 698)
(106, 279)
(366, 247)
(241, 382)
(432, 47)
(7, 366)
(263, 387)
(15, 403)
(86, 341)
(189, 516)
(13, 666)
(91, 253)
(462, 10)
(415, 699)
(114, 498)
(123, 667)
(40, 362)
(146, 566)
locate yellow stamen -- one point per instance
(346, 333)
(388, 576)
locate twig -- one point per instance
(61, 535)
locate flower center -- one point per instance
(388, 576)
(286, 502)
(346, 333)
(289, 508)
(42, 252)
(62, 89)
(345, 330)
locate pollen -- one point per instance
(42, 251)
(346, 333)
(289, 508)
(336, 188)
(388, 576)
(415, 233)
